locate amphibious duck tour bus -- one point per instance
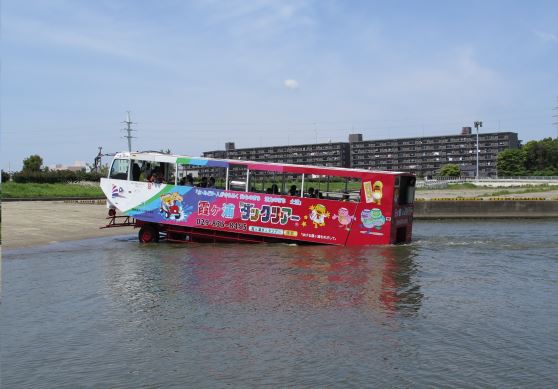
(191, 199)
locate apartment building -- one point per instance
(423, 156)
(320, 154)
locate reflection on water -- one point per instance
(467, 304)
(272, 276)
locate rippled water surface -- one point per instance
(468, 304)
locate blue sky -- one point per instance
(196, 74)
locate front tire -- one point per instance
(148, 234)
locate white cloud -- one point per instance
(291, 84)
(258, 18)
(547, 36)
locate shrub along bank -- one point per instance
(52, 177)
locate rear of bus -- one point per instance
(384, 214)
(403, 208)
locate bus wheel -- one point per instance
(148, 234)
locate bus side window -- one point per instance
(119, 169)
(136, 171)
(407, 190)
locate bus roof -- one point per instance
(253, 165)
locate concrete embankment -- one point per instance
(485, 209)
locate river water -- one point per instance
(468, 304)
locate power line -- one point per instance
(324, 125)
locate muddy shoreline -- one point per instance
(26, 224)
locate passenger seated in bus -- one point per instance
(268, 191)
(203, 182)
(311, 193)
(211, 183)
(188, 180)
(159, 179)
(274, 189)
(319, 195)
(156, 177)
(292, 190)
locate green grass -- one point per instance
(16, 190)
(518, 190)
(465, 185)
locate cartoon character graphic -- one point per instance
(343, 217)
(372, 219)
(318, 214)
(377, 192)
(171, 205)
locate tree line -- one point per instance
(535, 158)
(33, 172)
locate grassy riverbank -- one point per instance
(472, 189)
(16, 190)
(523, 190)
(501, 190)
(465, 190)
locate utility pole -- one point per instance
(477, 125)
(556, 122)
(129, 130)
(97, 161)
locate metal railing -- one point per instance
(518, 178)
